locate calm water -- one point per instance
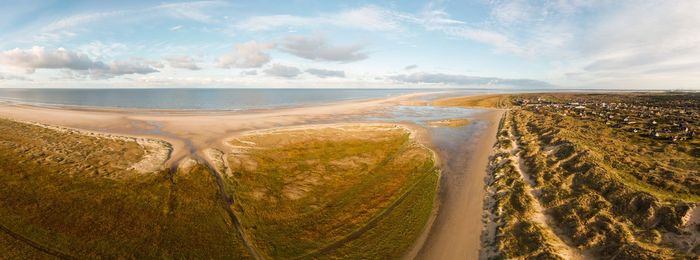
(206, 99)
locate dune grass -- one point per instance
(588, 176)
(488, 101)
(64, 200)
(517, 235)
(302, 192)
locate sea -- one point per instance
(204, 98)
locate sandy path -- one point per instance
(456, 229)
(560, 242)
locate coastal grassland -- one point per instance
(611, 193)
(390, 237)
(488, 101)
(67, 194)
(12, 248)
(361, 191)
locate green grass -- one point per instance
(301, 191)
(389, 238)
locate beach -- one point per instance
(189, 132)
(454, 229)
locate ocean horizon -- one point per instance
(220, 98)
(198, 98)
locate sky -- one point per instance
(509, 44)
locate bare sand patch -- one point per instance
(449, 123)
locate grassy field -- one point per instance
(487, 101)
(72, 195)
(341, 192)
(344, 191)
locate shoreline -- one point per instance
(254, 109)
(455, 231)
(191, 132)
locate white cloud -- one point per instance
(249, 73)
(182, 62)
(250, 54)
(43, 58)
(175, 28)
(372, 18)
(99, 50)
(319, 49)
(440, 21)
(323, 73)
(81, 20)
(660, 50)
(282, 71)
(468, 81)
(369, 18)
(512, 11)
(410, 67)
(13, 77)
(669, 33)
(195, 11)
(129, 67)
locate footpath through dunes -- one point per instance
(606, 191)
(515, 223)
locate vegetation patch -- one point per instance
(510, 227)
(614, 192)
(488, 101)
(59, 197)
(362, 191)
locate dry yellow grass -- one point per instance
(58, 195)
(307, 191)
(487, 101)
(298, 193)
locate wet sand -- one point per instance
(456, 227)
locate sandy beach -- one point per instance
(453, 231)
(189, 132)
(456, 228)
